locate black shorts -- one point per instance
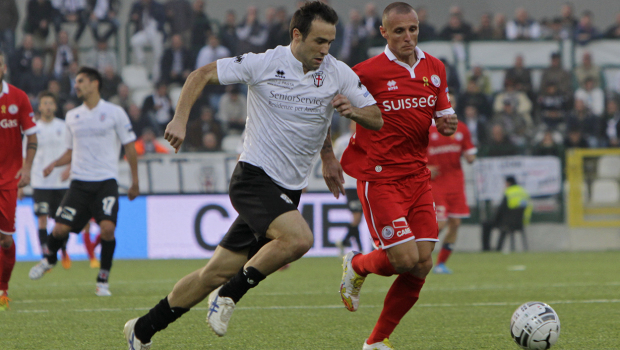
(46, 202)
(86, 200)
(259, 201)
(353, 201)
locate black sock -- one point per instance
(43, 241)
(245, 279)
(53, 244)
(64, 244)
(157, 319)
(107, 253)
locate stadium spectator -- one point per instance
(552, 106)
(211, 52)
(612, 130)
(53, 86)
(279, 29)
(9, 17)
(585, 31)
(196, 130)
(569, 21)
(232, 111)
(614, 30)
(499, 32)
(201, 27)
(100, 57)
(456, 30)
(557, 75)
(518, 100)
(104, 11)
(518, 126)
(178, 14)
(21, 62)
(228, 33)
(138, 121)
(522, 27)
(148, 17)
(499, 145)
(35, 81)
(547, 146)
(210, 143)
(354, 44)
(474, 97)
(39, 19)
(520, 75)
(485, 30)
(593, 96)
(372, 22)
(251, 32)
(454, 84)
(147, 143)
(575, 139)
(427, 31)
(588, 70)
(110, 83)
(62, 54)
(67, 81)
(481, 78)
(552, 29)
(177, 61)
(477, 125)
(582, 119)
(70, 11)
(122, 97)
(158, 108)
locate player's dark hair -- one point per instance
(511, 180)
(400, 8)
(311, 10)
(49, 94)
(92, 74)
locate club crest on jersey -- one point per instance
(13, 109)
(435, 80)
(102, 117)
(319, 78)
(387, 232)
(392, 85)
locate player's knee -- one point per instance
(301, 245)
(454, 222)
(6, 241)
(107, 230)
(404, 262)
(61, 231)
(424, 266)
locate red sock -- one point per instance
(400, 298)
(443, 256)
(97, 241)
(7, 262)
(376, 262)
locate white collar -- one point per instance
(5, 88)
(419, 53)
(294, 61)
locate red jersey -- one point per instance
(445, 152)
(409, 98)
(16, 117)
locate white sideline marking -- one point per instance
(310, 307)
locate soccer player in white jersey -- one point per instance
(95, 131)
(293, 92)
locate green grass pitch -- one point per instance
(300, 308)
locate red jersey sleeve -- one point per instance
(443, 100)
(26, 115)
(466, 145)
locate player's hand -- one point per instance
(342, 104)
(65, 174)
(24, 177)
(20, 194)
(447, 124)
(332, 174)
(175, 134)
(133, 192)
(48, 169)
(434, 171)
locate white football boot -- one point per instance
(133, 342)
(384, 345)
(38, 270)
(103, 290)
(351, 283)
(220, 311)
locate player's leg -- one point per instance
(90, 247)
(42, 211)
(8, 206)
(108, 245)
(354, 228)
(188, 292)
(42, 223)
(104, 209)
(448, 245)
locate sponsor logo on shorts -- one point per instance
(286, 199)
(42, 207)
(401, 226)
(67, 213)
(387, 232)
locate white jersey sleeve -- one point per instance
(243, 69)
(123, 127)
(351, 86)
(68, 137)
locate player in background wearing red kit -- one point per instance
(16, 117)
(393, 184)
(448, 183)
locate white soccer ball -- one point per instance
(535, 325)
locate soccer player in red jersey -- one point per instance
(16, 117)
(410, 88)
(448, 183)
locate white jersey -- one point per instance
(51, 145)
(340, 145)
(95, 136)
(289, 112)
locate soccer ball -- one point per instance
(535, 325)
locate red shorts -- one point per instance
(449, 203)
(398, 211)
(8, 205)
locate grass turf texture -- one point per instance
(300, 308)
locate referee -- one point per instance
(293, 93)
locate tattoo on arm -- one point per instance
(327, 144)
(31, 145)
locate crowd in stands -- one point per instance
(567, 109)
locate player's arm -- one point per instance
(196, 81)
(470, 157)
(24, 173)
(446, 124)
(332, 170)
(132, 159)
(368, 117)
(63, 160)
